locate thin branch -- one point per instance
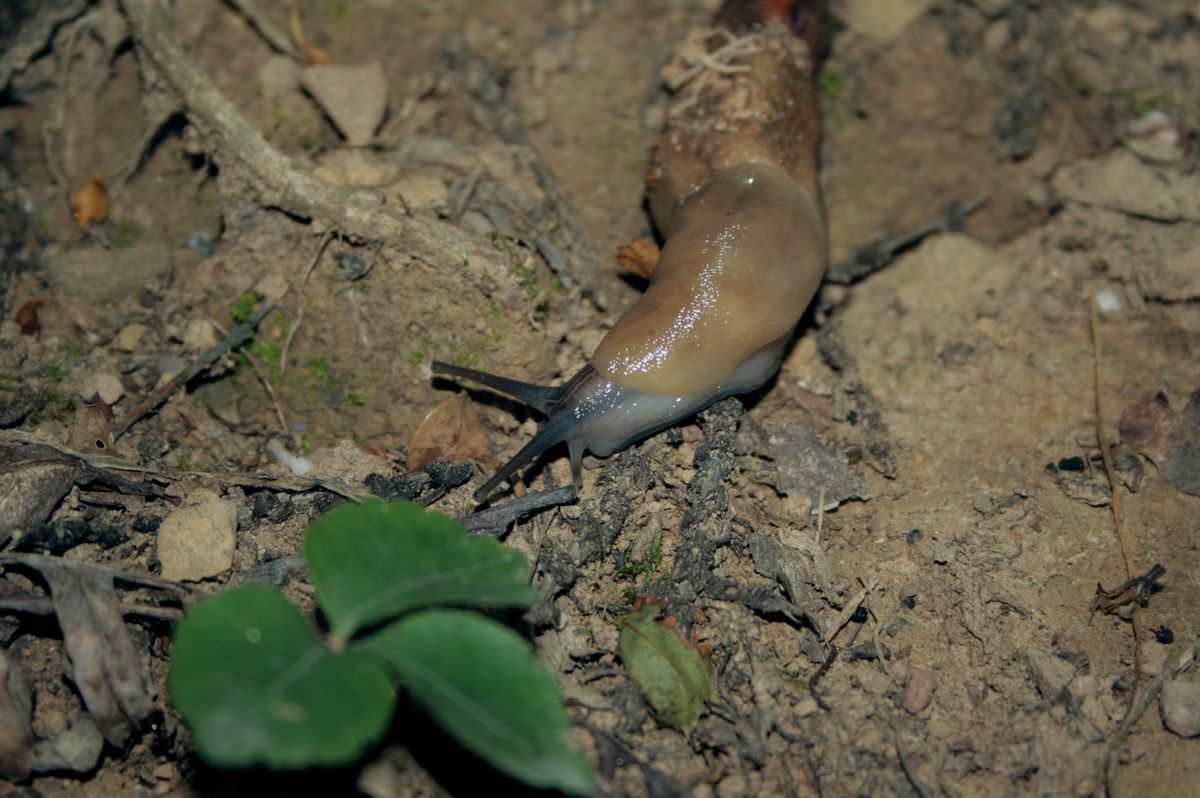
(494, 520)
(279, 41)
(279, 182)
(872, 257)
(847, 611)
(312, 264)
(242, 333)
(289, 484)
(1115, 505)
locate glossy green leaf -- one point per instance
(373, 561)
(675, 678)
(480, 681)
(256, 687)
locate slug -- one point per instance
(733, 188)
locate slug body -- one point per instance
(734, 191)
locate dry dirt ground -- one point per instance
(932, 434)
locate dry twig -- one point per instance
(312, 264)
(847, 611)
(279, 41)
(1115, 504)
(239, 336)
(278, 181)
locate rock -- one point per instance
(1121, 182)
(918, 689)
(199, 335)
(273, 286)
(355, 97)
(882, 19)
(348, 461)
(278, 77)
(196, 541)
(108, 276)
(1180, 707)
(1175, 279)
(107, 386)
(1050, 673)
(129, 338)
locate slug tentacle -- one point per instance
(539, 397)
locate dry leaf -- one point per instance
(16, 733)
(34, 478)
(105, 665)
(312, 54)
(89, 202)
(451, 430)
(1170, 439)
(639, 257)
(27, 317)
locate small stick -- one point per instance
(884, 659)
(1183, 659)
(36, 561)
(850, 608)
(242, 333)
(266, 384)
(312, 264)
(873, 256)
(287, 484)
(820, 513)
(44, 608)
(257, 368)
(277, 39)
(1115, 503)
(494, 520)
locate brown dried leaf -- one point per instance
(89, 202)
(34, 478)
(639, 257)
(27, 317)
(16, 733)
(1170, 439)
(105, 664)
(451, 430)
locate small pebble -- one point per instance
(918, 689)
(1180, 706)
(129, 338)
(201, 242)
(196, 541)
(956, 354)
(1107, 301)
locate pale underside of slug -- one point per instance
(734, 191)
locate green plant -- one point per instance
(256, 685)
(243, 306)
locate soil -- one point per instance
(949, 399)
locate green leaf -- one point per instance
(480, 681)
(255, 686)
(373, 561)
(673, 675)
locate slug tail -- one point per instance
(539, 397)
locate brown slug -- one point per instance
(734, 190)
